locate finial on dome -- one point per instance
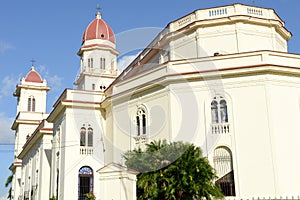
(98, 15)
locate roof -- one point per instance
(33, 76)
(98, 29)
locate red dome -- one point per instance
(98, 29)
(33, 76)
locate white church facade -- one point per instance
(221, 78)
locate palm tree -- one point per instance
(174, 170)
(8, 183)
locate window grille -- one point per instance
(85, 182)
(224, 169)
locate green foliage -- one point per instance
(53, 198)
(90, 196)
(172, 171)
(8, 183)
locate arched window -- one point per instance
(102, 63)
(85, 182)
(223, 111)
(31, 104)
(141, 121)
(219, 112)
(82, 136)
(214, 112)
(90, 137)
(224, 167)
(86, 135)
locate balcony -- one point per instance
(220, 128)
(100, 71)
(86, 150)
(140, 139)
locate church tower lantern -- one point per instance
(98, 56)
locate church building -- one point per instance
(221, 78)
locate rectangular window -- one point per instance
(82, 138)
(90, 140)
(138, 125)
(102, 63)
(144, 124)
(29, 105)
(84, 187)
(90, 137)
(33, 105)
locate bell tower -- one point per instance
(31, 110)
(98, 56)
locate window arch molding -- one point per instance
(219, 113)
(85, 181)
(224, 166)
(86, 134)
(137, 129)
(218, 97)
(219, 109)
(141, 120)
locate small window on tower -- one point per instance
(102, 63)
(31, 104)
(90, 63)
(93, 86)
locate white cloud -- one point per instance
(4, 46)
(9, 84)
(42, 69)
(54, 81)
(6, 134)
(124, 61)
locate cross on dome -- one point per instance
(98, 15)
(32, 62)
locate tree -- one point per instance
(172, 171)
(8, 183)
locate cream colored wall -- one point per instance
(121, 123)
(228, 38)
(96, 55)
(96, 75)
(261, 168)
(251, 150)
(284, 116)
(70, 158)
(36, 166)
(262, 157)
(40, 100)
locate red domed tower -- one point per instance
(31, 94)
(98, 56)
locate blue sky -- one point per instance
(51, 31)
